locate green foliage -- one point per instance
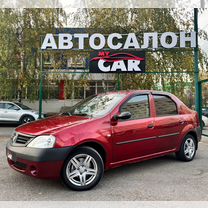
(20, 31)
(148, 20)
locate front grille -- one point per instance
(23, 139)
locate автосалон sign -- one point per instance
(117, 41)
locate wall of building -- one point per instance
(52, 105)
(97, 85)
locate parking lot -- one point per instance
(159, 179)
(6, 130)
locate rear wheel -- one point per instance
(83, 169)
(26, 119)
(188, 149)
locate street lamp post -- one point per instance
(196, 57)
(41, 85)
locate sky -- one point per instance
(102, 3)
(203, 24)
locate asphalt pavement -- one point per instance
(164, 178)
(7, 129)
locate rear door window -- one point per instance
(165, 106)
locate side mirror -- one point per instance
(123, 116)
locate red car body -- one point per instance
(118, 143)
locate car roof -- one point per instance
(1, 101)
(128, 92)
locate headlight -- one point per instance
(45, 141)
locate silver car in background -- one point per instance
(12, 112)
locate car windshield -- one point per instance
(97, 106)
(24, 107)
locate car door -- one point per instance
(168, 122)
(136, 136)
(11, 112)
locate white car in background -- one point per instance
(12, 112)
(204, 121)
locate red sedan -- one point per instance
(103, 132)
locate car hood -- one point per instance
(31, 111)
(50, 125)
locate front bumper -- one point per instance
(36, 116)
(37, 162)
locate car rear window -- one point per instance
(24, 107)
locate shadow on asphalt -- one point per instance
(109, 176)
(8, 125)
(160, 161)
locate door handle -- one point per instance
(150, 126)
(181, 122)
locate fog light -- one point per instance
(9, 156)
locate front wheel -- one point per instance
(83, 169)
(188, 149)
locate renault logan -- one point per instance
(103, 132)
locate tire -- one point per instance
(83, 169)
(26, 119)
(203, 124)
(187, 150)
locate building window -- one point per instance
(78, 92)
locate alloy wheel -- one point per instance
(81, 170)
(189, 148)
(27, 120)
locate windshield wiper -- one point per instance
(66, 114)
(81, 114)
(75, 114)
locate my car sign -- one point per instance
(117, 61)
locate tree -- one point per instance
(148, 20)
(20, 31)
